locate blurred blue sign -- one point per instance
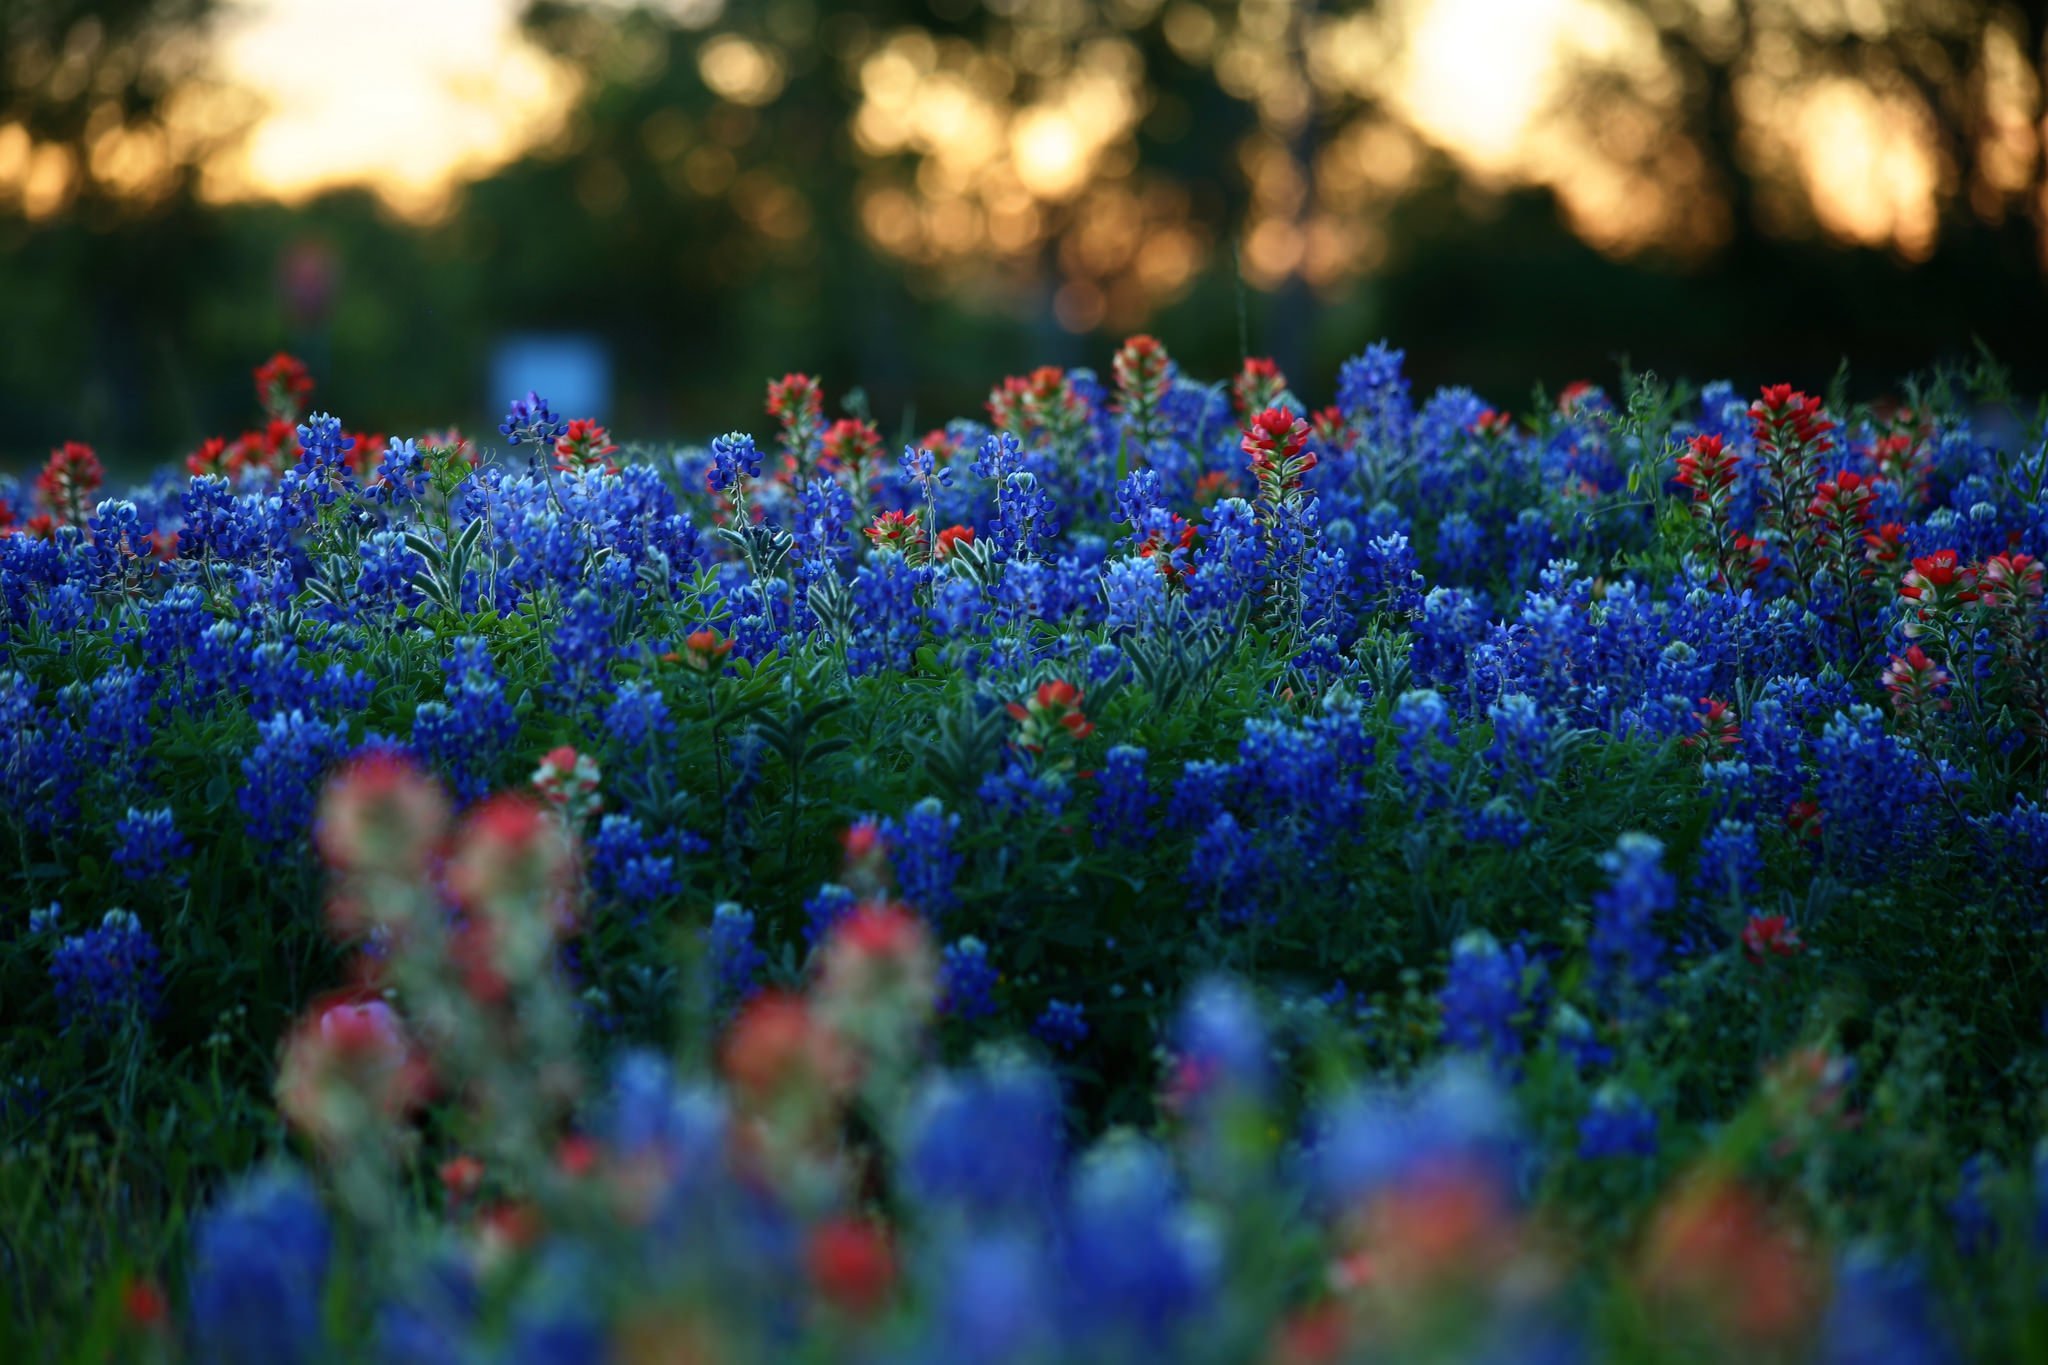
(573, 371)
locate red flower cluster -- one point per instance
(703, 651)
(1939, 583)
(2009, 582)
(1719, 727)
(853, 447)
(1916, 683)
(1770, 936)
(70, 476)
(898, 531)
(851, 1264)
(1803, 820)
(1708, 468)
(1574, 395)
(283, 386)
(796, 398)
(1259, 385)
(585, 445)
(263, 450)
(1054, 708)
(1717, 1250)
(1142, 370)
(949, 537)
(1901, 460)
(1172, 563)
(1841, 507)
(1040, 405)
(1276, 440)
(1783, 418)
(1492, 422)
(797, 403)
(1882, 548)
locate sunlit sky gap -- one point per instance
(440, 91)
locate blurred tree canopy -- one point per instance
(917, 196)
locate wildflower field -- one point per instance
(1159, 872)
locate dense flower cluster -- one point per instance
(1608, 748)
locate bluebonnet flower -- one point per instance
(736, 961)
(1455, 1116)
(386, 569)
(1230, 563)
(1133, 593)
(468, 735)
(1422, 723)
(888, 622)
(638, 716)
(824, 909)
(1220, 1040)
(733, 460)
(117, 726)
(1530, 543)
(322, 474)
(1388, 578)
(1062, 1025)
(259, 1272)
(281, 779)
(1519, 754)
(432, 1317)
(1123, 801)
(1573, 1034)
(1881, 796)
(1460, 549)
(1225, 870)
(1883, 1313)
(1135, 1267)
(626, 866)
(1969, 1211)
(1730, 865)
(1487, 989)
(107, 978)
(530, 421)
(1628, 951)
(149, 844)
(1497, 820)
(1372, 393)
(819, 531)
(1015, 790)
(921, 854)
(1200, 793)
(986, 1142)
(967, 980)
(1619, 1124)
(1024, 510)
(583, 646)
(2020, 836)
(992, 1291)
(1451, 622)
(402, 474)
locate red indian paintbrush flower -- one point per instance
(69, 478)
(1053, 708)
(584, 445)
(1719, 727)
(283, 386)
(1143, 373)
(1259, 385)
(1916, 684)
(898, 531)
(851, 1265)
(1770, 936)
